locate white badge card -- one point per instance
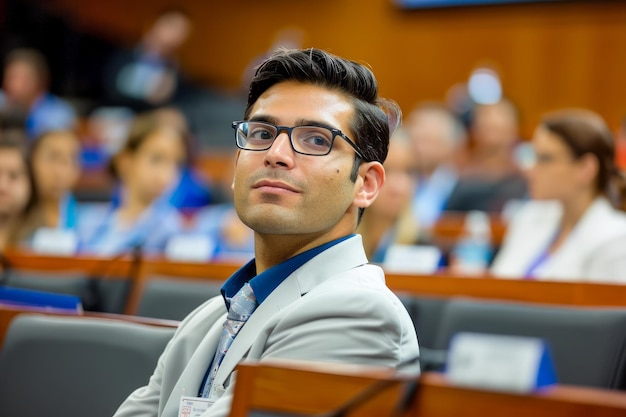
(55, 241)
(506, 363)
(193, 406)
(412, 259)
(189, 248)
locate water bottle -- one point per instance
(472, 253)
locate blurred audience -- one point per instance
(574, 228)
(17, 189)
(437, 137)
(149, 76)
(490, 177)
(389, 220)
(25, 94)
(147, 167)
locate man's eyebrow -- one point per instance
(264, 118)
(309, 122)
(300, 122)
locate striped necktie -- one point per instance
(241, 307)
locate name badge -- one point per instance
(416, 259)
(55, 241)
(189, 248)
(506, 363)
(193, 406)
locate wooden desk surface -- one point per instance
(582, 294)
(311, 389)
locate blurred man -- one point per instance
(437, 136)
(25, 94)
(491, 177)
(149, 75)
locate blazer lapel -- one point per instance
(341, 257)
(286, 293)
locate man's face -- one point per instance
(21, 83)
(431, 141)
(279, 191)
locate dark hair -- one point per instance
(375, 118)
(34, 59)
(141, 128)
(16, 141)
(585, 132)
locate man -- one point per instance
(149, 76)
(491, 177)
(310, 160)
(437, 138)
(25, 91)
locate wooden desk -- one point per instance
(579, 294)
(442, 285)
(310, 389)
(106, 268)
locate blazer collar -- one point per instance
(335, 260)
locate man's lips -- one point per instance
(274, 185)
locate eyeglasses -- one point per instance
(305, 140)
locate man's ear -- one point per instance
(370, 180)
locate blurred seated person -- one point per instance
(149, 75)
(192, 191)
(25, 90)
(226, 238)
(17, 195)
(490, 177)
(55, 160)
(389, 219)
(574, 228)
(437, 136)
(147, 167)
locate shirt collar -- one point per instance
(267, 281)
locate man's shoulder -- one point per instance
(360, 287)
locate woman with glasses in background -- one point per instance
(574, 228)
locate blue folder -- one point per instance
(32, 298)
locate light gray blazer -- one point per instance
(595, 250)
(335, 308)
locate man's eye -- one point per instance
(260, 134)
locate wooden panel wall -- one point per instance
(550, 55)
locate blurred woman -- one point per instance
(389, 219)
(17, 194)
(575, 226)
(55, 159)
(147, 167)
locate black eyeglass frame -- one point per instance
(336, 132)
